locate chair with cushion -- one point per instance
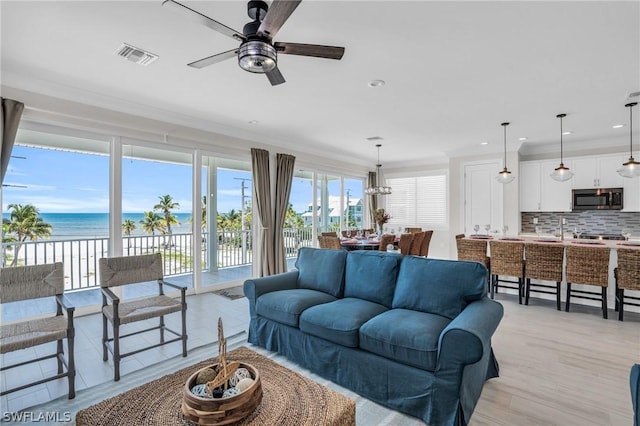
(627, 276)
(416, 243)
(385, 240)
(588, 266)
(544, 262)
(329, 242)
(507, 259)
(122, 271)
(34, 282)
(405, 243)
(424, 247)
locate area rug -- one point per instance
(232, 293)
(289, 399)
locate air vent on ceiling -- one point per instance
(633, 97)
(135, 54)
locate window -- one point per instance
(418, 201)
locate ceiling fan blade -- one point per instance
(277, 15)
(214, 59)
(275, 77)
(316, 50)
(204, 20)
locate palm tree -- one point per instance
(165, 205)
(152, 222)
(128, 226)
(25, 223)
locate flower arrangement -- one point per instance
(381, 217)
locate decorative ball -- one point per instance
(244, 384)
(206, 375)
(240, 373)
(201, 391)
(230, 392)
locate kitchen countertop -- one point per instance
(633, 243)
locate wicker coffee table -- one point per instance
(289, 399)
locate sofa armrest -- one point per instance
(466, 338)
(256, 287)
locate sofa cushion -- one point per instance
(409, 337)
(339, 321)
(285, 306)
(371, 275)
(442, 287)
(321, 269)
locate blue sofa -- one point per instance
(411, 333)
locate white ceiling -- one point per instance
(454, 71)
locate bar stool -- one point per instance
(627, 278)
(543, 262)
(507, 259)
(473, 251)
(589, 266)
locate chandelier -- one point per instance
(378, 189)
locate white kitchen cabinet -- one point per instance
(597, 172)
(539, 192)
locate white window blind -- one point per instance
(418, 201)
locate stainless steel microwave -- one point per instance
(597, 199)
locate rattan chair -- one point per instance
(385, 240)
(405, 243)
(121, 271)
(459, 236)
(327, 242)
(329, 234)
(507, 259)
(424, 247)
(543, 262)
(34, 282)
(416, 243)
(589, 266)
(412, 230)
(627, 278)
(474, 251)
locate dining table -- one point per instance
(363, 243)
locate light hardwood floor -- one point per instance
(556, 368)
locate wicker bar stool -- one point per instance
(589, 266)
(474, 251)
(627, 278)
(385, 240)
(507, 259)
(405, 243)
(543, 262)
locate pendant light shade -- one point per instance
(505, 176)
(378, 189)
(561, 173)
(630, 169)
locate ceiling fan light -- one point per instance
(561, 173)
(257, 57)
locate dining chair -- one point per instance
(34, 282)
(329, 242)
(627, 275)
(412, 230)
(416, 243)
(405, 243)
(329, 234)
(543, 262)
(588, 266)
(385, 240)
(424, 247)
(130, 270)
(507, 259)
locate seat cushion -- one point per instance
(321, 270)
(409, 337)
(442, 287)
(371, 275)
(339, 321)
(285, 306)
(30, 333)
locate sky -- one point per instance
(59, 181)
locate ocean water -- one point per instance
(94, 225)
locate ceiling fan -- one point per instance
(257, 52)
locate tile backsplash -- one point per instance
(591, 221)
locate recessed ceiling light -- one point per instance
(253, 122)
(377, 83)
(523, 139)
(484, 143)
(567, 133)
(618, 126)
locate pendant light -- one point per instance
(631, 168)
(378, 189)
(505, 175)
(561, 173)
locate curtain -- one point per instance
(262, 196)
(11, 113)
(284, 178)
(373, 203)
